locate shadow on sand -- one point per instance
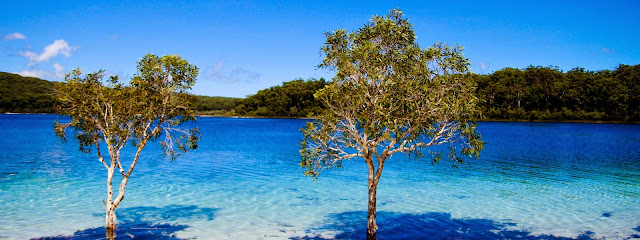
(428, 226)
(146, 223)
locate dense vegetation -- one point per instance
(530, 94)
(292, 99)
(218, 106)
(546, 93)
(20, 94)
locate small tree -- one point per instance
(153, 105)
(390, 96)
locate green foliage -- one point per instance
(390, 96)
(156, 102)
(546, 93)
(221, 106)
(20, 94)
(292, 99)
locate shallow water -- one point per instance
(533, 181)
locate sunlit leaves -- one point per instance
(389, 95)
(155, 102)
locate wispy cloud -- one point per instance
(34, 73)
(50, 51)
(59, 70)
(236, 75)
(483, 66)
(14, 36)
(607, 50)
(39, 73)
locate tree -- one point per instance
(390, 96)
(154, 105)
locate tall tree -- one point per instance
(151, 107)
(390, 96)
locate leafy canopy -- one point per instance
(390, 96)
(155, 102)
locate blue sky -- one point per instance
(244, 46)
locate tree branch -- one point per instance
(97, 143)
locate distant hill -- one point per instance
(20, 94)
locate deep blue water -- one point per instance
(533, 181)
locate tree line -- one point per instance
(217, 106)
(547, 93)
(291, 99)
(534, 93)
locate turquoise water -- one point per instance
(534, 181)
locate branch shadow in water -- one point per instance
(129, 230)
(427, 226)
(169, 213)
(637, 229)
(145, 223)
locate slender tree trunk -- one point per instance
(111, 204)
(110, 222)
(372, 227)
(110, 208)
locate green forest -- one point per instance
(547, 93)
(534, 93)
(20, 94)
(216, 106)
(292, 99)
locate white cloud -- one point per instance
(483, 66)
(237, 74)
(59, 70)
(607, 50)
(33, 73)
(14, 36)
(50, 51)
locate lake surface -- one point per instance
(533, 181)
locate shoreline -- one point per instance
(560, 121)
(478, 120)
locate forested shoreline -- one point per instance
(534, 93)
(291, 99)
(548, 94)
(20, 94)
